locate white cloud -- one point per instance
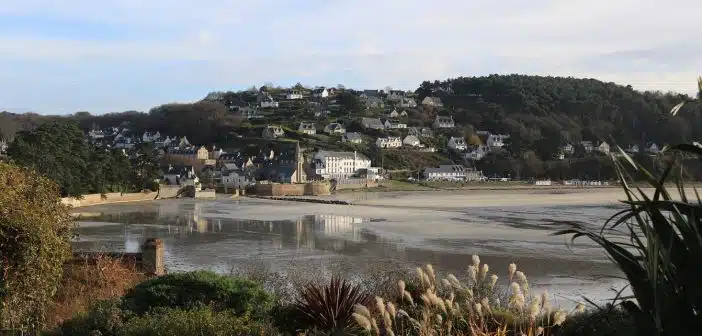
(649, 44)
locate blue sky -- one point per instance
(116, 55)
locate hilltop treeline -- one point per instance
(543, 113)
(539, 113)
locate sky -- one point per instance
(59, 57)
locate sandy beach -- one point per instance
(443, 228)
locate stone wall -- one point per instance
(149, 261)
(356, 184)
(97, 199)
(292, 189)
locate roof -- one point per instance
(335, 125)
(444, 119)
(448, 169)
(353, 136)
(344, 155)
(371, 121)
(305, 125)
(177, 169)
(411, 138)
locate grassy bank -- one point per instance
(113, 299)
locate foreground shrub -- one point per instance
(449, 306)
(199, 289)
(613, 321)
(84, 282)
(657, 244)
(104, 318)
(329, 308)
(197, 322)
(35, 232)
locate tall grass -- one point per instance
(430, 305)
(657, 244)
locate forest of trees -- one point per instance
(60, 151)
(539, 113)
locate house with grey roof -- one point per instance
(307, 128)
(353, 137)
(372, 123)
(443, 122)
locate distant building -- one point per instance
(457, 144)
(180, 175)
(353, 137)
(432, 101)
(307, 128)
(408, 102)
(272, 132)
(412, 141)
(444, 122)
(372, 123)
(394, 124)
(477, 153)
(340, 164)
(389, 142)
(452, 173)
(423, 132)
(334, 128)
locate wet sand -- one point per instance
(441, 228)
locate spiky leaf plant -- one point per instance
(657, 243)
(330, 308)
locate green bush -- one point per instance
(35, 235)
(201, 321)
(601, 322)
(198, 289)
(104, 318)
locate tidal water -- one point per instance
(225, 234)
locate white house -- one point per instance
(320, 93)
(269, 104)
(307, 128)
(603, 147)
(294, 95)
(394, 124)
(432, 101)
(587, 146)
(452, 173)
(389, 142)
(477, 153)
(372, 123)
(353, 137)
(272, 132)
(150, 137)
(412, 141)
(338, 165)
(408, 102)
(334, 128)
(235, 179)
(180, 175)
(497, 140)
(443, 122)
(457, 144)
(96, 134)
(395, 95)
(393, 114)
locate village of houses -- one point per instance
(285, 162)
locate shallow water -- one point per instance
(227, 233)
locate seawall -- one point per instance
(109, 198)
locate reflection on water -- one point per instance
(194, 234)
(212, 235)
